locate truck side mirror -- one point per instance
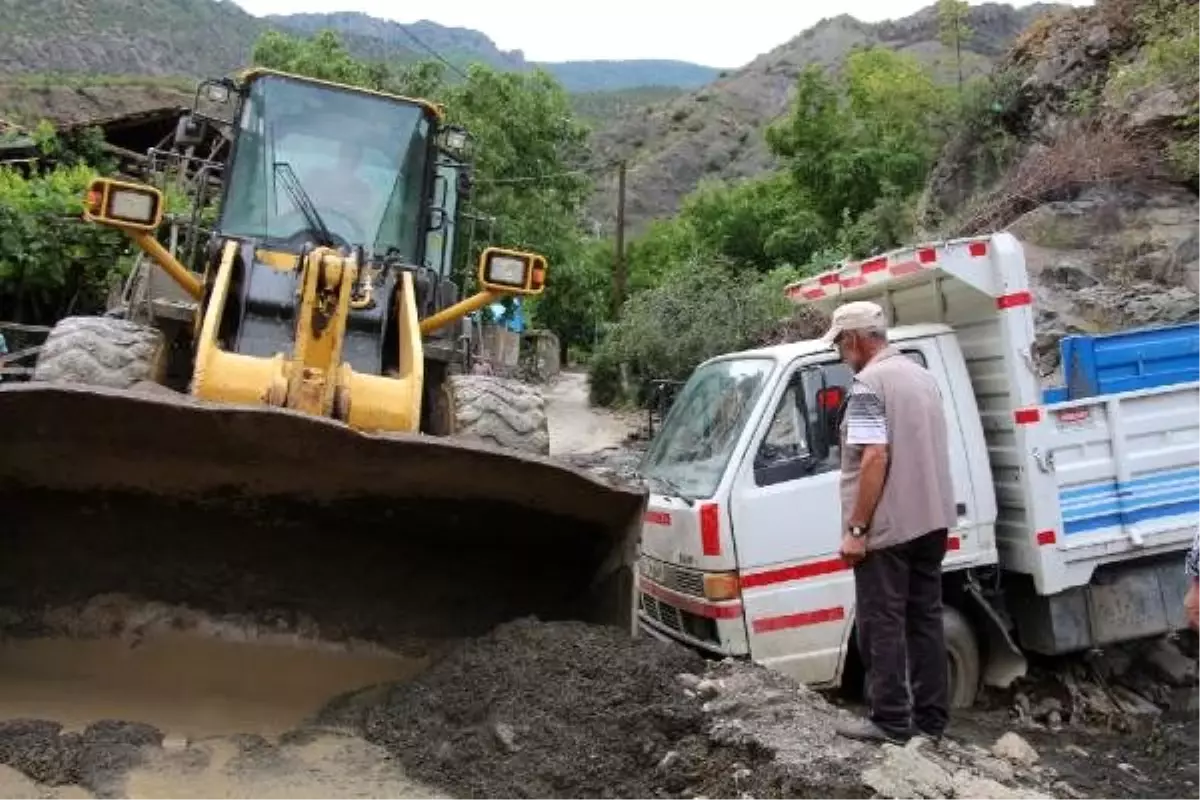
(830, 402)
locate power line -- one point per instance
(599, 168)
(432, 52)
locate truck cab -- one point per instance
(740, 540)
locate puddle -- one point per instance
(184, 684)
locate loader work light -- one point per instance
(512, 272)
(126, 205)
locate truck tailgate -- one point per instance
(1120, 474)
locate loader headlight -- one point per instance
(128, 205)
(507, 270)
(512, 272)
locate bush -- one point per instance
(52, 263)
(698, 312)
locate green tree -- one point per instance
(953, 31)
(51, 264)
(878, 129)
(323, 57)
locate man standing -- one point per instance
(897, 508)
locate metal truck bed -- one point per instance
(1078, 484)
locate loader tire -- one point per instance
(102, 351)
(496, 411)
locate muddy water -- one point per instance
(185, 684)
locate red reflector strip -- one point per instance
(953, 543)
(874, 265)
(829, 278)
(796, 573)
(786, 621)
(710, 529)
(691, 605)
(907, 268)
(1046, 537)
(657, 517)
(977, 249)
(927, 256)
(814, 294)
(1014, 300)
(1027, 416)
(854, 282)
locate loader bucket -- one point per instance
(408, 541)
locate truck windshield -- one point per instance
(359, 160)
(698, 436)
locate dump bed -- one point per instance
(1079, 483)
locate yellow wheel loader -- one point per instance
(294, 436)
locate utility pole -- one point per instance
(619, 261)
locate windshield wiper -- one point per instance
(303, 202)
(674, 488)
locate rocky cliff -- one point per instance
(1089, 156)
(717, 131)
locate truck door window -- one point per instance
(828, 376)
(784, 452)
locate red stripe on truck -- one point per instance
(1014, 300)
(800, 620)
(657, 517)
(794, 573)
(691, 605)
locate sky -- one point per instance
(559, 30)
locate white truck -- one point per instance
(1073, 515)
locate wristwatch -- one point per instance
(858, 531)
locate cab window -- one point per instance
(804, 434)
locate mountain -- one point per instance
(717, 130)
(203, 38)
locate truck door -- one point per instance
(797, 593)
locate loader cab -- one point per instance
(319, 163)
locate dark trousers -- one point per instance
(898, 592)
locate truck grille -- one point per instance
(670, 576)
(677, 619)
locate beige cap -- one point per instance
(861, 315)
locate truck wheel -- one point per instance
(962, 650)
(102, 351)
(497, 411)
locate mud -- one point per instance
(554, 710)
(189, 683)
(576, 428)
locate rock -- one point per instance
(1064, 788)
(967, 785)
(995, 768)
(1075, 749)
(1169, 664)
(707, 689)
(506, 736)
(1048, 706)
(1133, 703)
(1012, 747)
(669, 760)
(1054, 720)
(906, 773)
(689, 680)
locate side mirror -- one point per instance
(437, 219)
(190, 131)
(830, 401)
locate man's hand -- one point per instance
(1191, 602)
(854, 548)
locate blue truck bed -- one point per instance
(1141, 358)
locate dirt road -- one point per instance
(575, 427)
